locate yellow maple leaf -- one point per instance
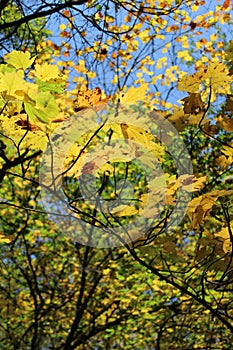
(142, 138)
(224, 234)
(217, 72)
(90, 98)
(134, 95)
(227, 150)
(13, 84)
(190, 83)
(124, 210)
(46, 71)
(215, 75)
(19, 60)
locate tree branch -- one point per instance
(39, 14)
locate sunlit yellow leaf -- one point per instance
(190, 83)
(124, 210)
(19, 60)
(46, 71)
(228, 151)
(215, 74)
(62, 26)
(142, 138)
(134, 95)
(11, 82)
(5, 239)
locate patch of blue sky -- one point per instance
(132, 72)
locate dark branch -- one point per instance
(40, 14)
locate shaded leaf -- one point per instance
(193, 103)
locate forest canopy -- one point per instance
(116, 154)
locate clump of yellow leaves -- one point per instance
(225, 236)
(200, 207)
(214, 75)
(36, 97)
(90, 98)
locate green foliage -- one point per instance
(25, 36)
(36, 96)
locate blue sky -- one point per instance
(104, 80)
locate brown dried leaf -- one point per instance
(229, 102)
(226, 122)
(193, 103)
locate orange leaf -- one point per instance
(226, 4)
(66, 13)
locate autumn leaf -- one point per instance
(19, 60)
(226, 123)
(124, 210)
(11, 82)
(90, 98)
(219, 77)
(229, 103)
(142, 138)
(178, 118)
(134, 95)
(25, 124)
(193, 103)
(215, 74)
(224, 234)
(190, 83)
(227, 150)
(200, 206)
(197, 216)
(226, 4)
(46, 71)
(5, 239)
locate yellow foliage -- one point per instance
(215, 74)
(225, 234)
(134, 95)
(5, 239)
(19, 60)
(46, 71)
(124, 210)
(200, 207)
(13, 85)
